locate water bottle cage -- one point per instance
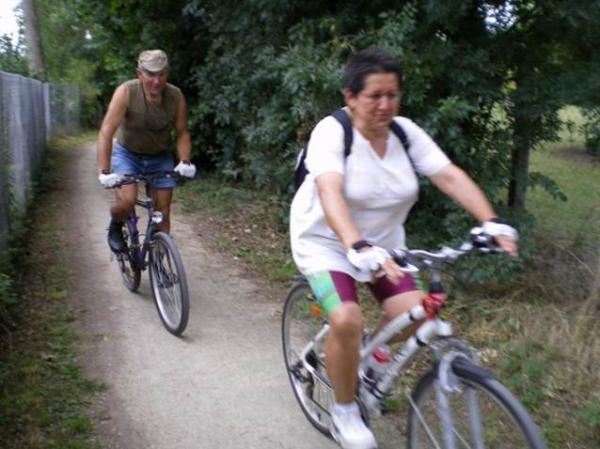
(432, 303)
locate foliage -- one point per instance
(118, 30)
(11, 57)
(258, 78)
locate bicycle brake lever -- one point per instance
(402, 262)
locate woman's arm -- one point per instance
(337, 214)
(455, 183)
(335, 208)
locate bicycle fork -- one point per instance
(446, 385)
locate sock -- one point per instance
(348, 407)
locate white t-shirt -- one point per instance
(379, 191)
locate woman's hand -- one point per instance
(505, 235)
(377, 261)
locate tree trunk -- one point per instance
(519, 171)
(32, 39)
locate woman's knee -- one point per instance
(346, 320)
(399, 304)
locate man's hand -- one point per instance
(186, 169)
(109, 180)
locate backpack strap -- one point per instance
(341, 116)
(401, 135)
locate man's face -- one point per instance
(153, 82)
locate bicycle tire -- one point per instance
(300, 324)
(169, 283)
(130, 271)
(502, 422)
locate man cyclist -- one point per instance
(143, 112)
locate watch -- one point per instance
(360, 244)
(186, 162)
(105, 171)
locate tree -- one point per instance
(32, 37)
(550, 58)
(11, 58)
(485, 78)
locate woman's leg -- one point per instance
(342, 350)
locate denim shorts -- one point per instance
(125, 162)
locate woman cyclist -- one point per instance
(349, 209)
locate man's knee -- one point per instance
(125, 203)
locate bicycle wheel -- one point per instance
(130, 271)
(169, 283)
(482, 414)
(302, 320)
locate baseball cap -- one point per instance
(153, 60)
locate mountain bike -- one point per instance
(157, 252)
(456, 404)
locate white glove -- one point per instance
(369, 260)
(186, 169)
(496, 228)
(109, 180)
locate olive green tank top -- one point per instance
(147, 128)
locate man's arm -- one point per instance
(184, 143)
(112, 119)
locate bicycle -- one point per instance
(456, 404)
(159, 254)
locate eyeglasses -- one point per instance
(376, 98)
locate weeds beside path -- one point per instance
(43, 395)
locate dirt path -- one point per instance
(221, 386)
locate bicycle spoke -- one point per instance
(169, 284)
(479, 415)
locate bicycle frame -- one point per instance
(431, 328)
(154, 218)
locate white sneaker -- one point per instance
(349, 429)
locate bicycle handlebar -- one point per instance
(126, 179)
(411, 260)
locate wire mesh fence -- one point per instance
(30, 111)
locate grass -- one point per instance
(243, 224)
(540, 335)
(43, 395)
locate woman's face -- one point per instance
(376, 104)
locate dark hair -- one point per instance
(366, 62)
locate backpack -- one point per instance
(300, 171)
